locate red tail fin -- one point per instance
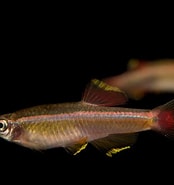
(165, 118)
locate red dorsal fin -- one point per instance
(100, 93)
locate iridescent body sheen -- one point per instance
(73, 125)
(48, 126)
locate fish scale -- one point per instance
(97, 122)
(97, 119)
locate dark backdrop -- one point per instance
(40, 66)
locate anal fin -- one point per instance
(113, 144)
(116, 150)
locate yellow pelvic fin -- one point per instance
(116, 150)
(80, 149)
(78, 146)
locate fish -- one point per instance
(144, 77)
(99, 119)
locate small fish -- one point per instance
(145, 76)
(96, 119)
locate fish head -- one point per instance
(5, 128)
(8, 129)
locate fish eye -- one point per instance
(3, 125)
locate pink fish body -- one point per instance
(145, 76)
(96, 120)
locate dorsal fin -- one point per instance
(100, 93)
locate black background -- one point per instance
(45, 61)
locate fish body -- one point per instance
(64, 124)
(145, 76)
(93, 120)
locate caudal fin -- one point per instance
(165, 118)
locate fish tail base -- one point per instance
(165, 119)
